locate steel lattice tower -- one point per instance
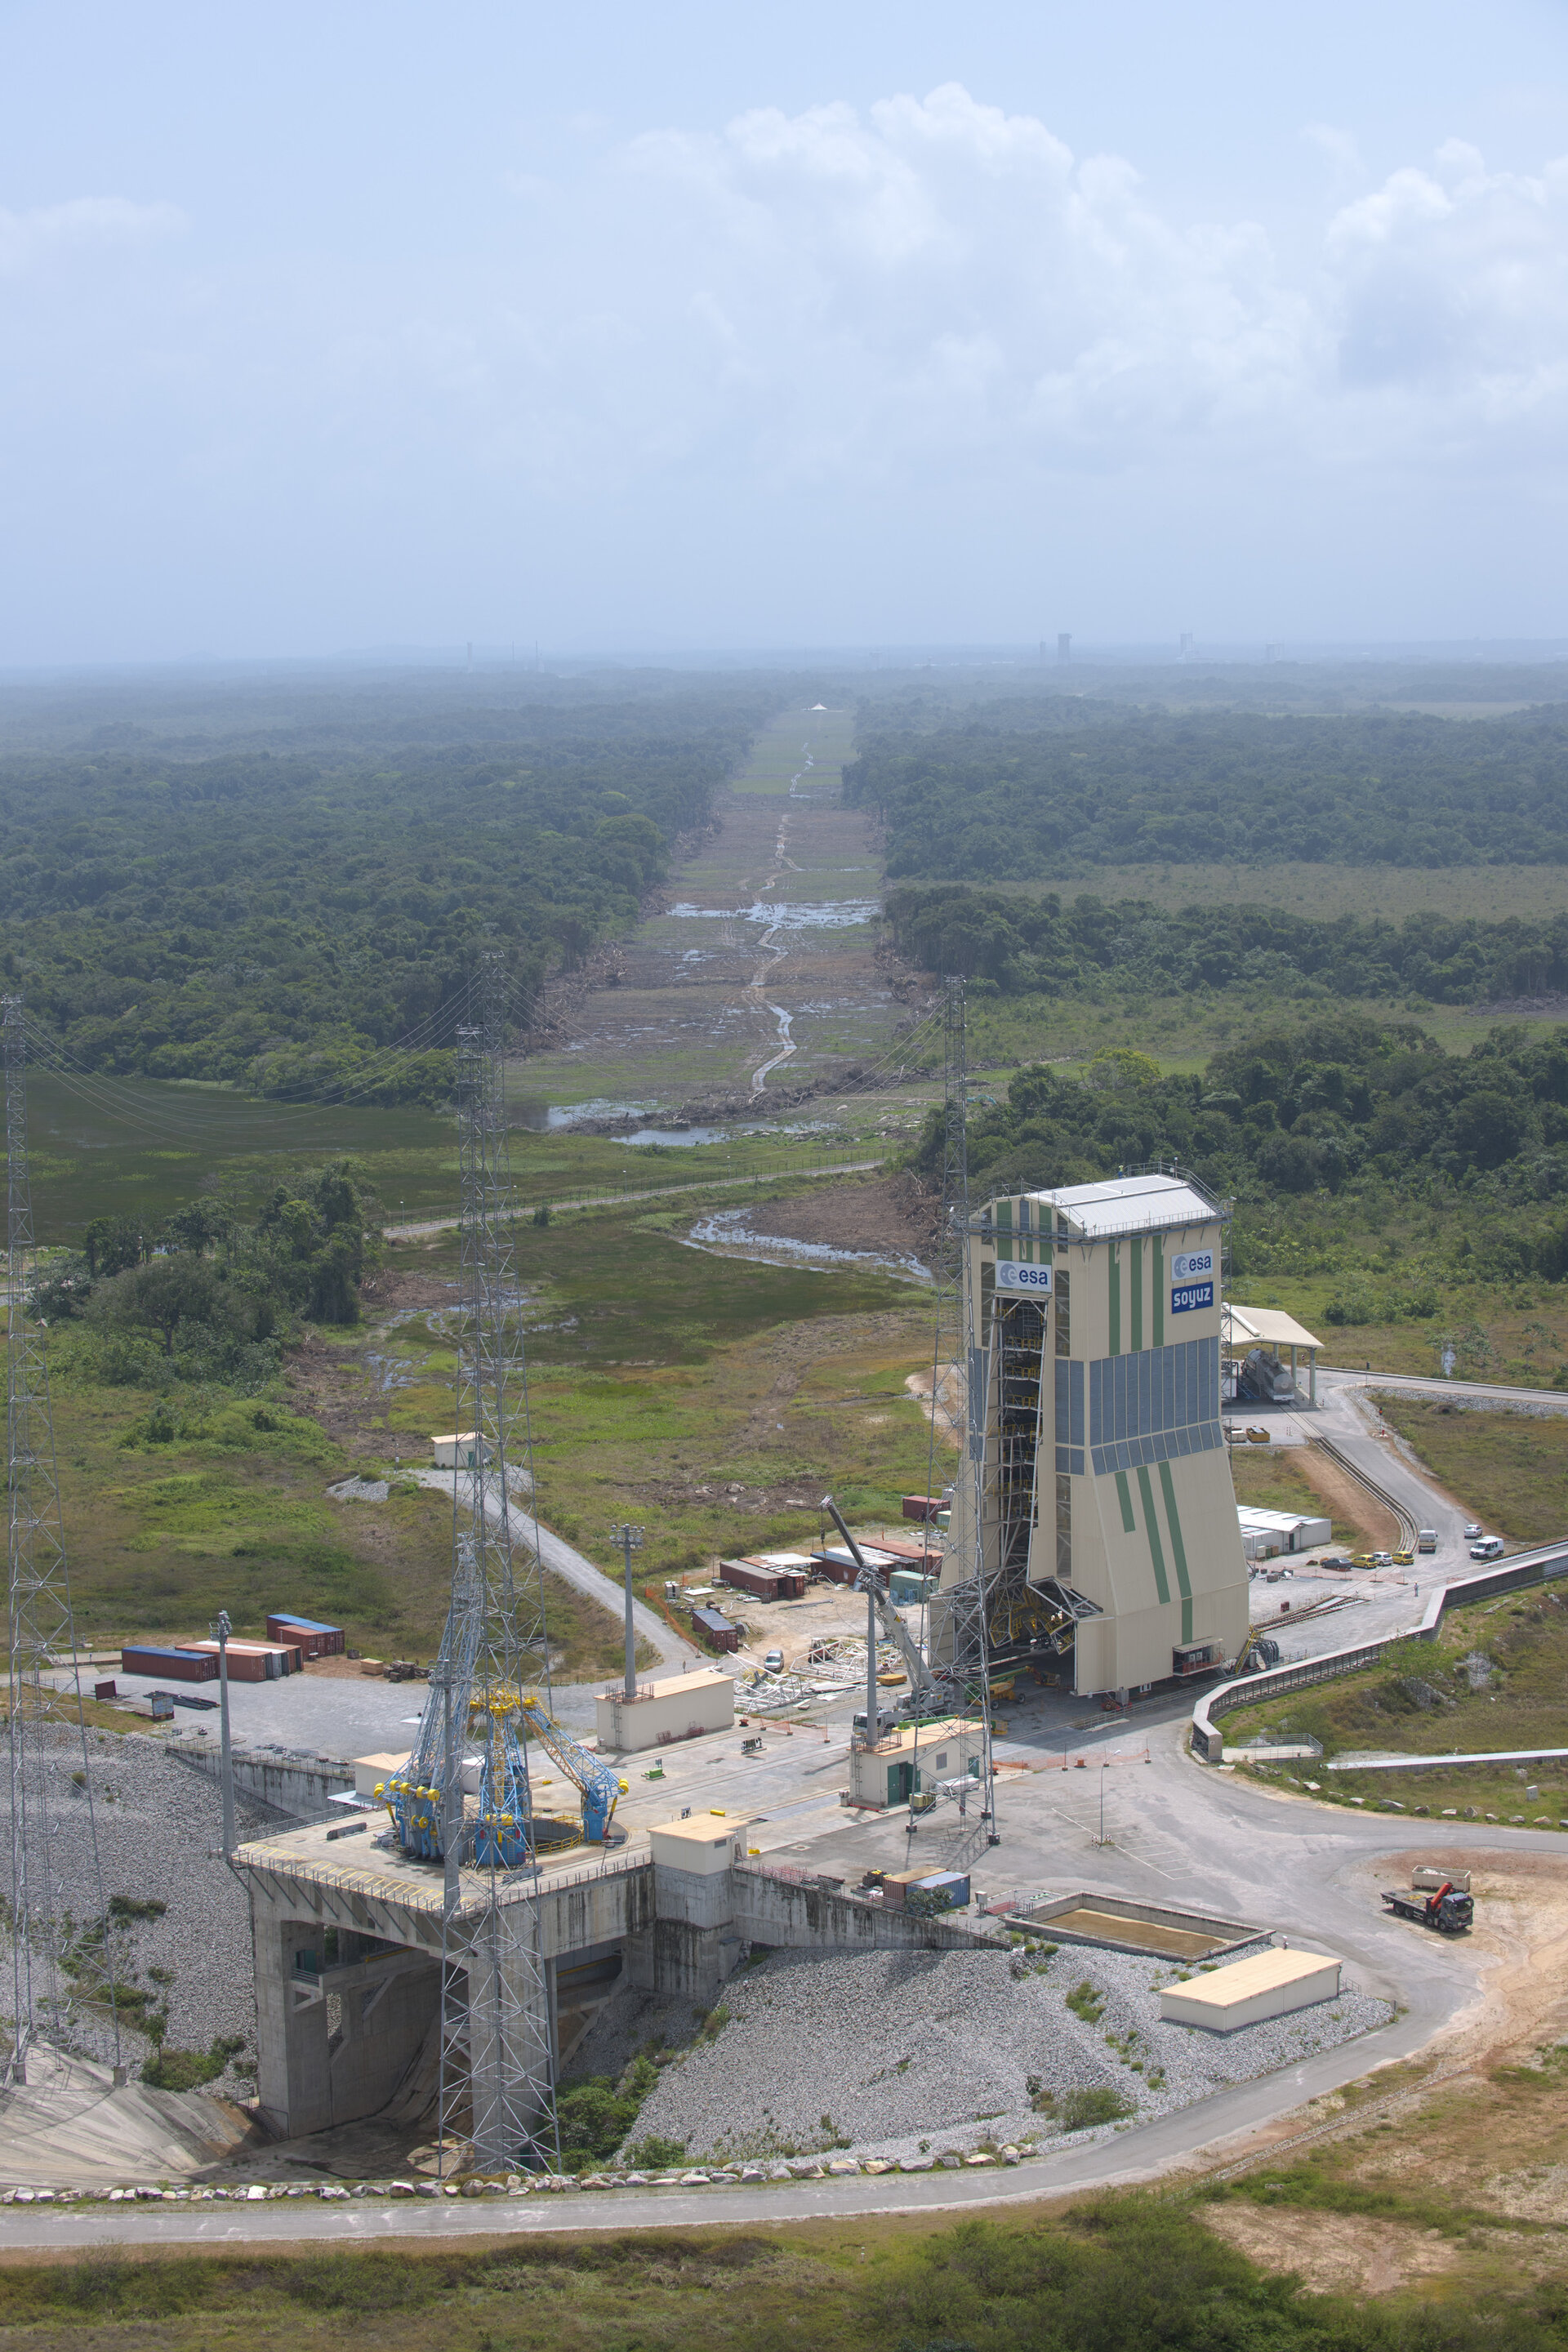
(39, 1629)
(497, 2063)
(962, 1368)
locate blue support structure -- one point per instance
(598, 1786)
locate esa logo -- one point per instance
(1192, 1265)
(1185, 1295)
(1011, 1276)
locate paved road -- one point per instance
(1173, 1832)
(577, 1570)
(412, 1233)
(1347, 1417)
(1474, 1392)
(1177, 1833)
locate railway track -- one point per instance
(1407, 1523)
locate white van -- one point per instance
(1489, 1548)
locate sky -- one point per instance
(339, 327)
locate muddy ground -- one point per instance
(1474, 2151)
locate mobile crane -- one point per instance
(923, 1683)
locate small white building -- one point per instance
(683, 1706)
(1265, 1535)
(461, 1451)
(705, 1845)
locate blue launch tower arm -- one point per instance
(598, 1785)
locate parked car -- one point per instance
(1383, 1560)
(1473, 1529)
(773, 1661)
(1489, 1548)
(1405, 1559)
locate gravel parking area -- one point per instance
(890, 2053)
(160, 1828)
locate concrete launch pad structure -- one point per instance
(347, 1940)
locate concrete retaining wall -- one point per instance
(1252, 1690)
(300, 1785)
(800, 1916)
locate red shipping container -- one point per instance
(167, 1665)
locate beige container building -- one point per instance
(1265, 1984)
(682, 1707)
(1108, 1519)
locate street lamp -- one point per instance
(1102, 1772)
(630, 1539)
(221, 1629)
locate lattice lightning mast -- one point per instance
(496, 2085)
(40, 1634)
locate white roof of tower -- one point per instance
(1130, 1204)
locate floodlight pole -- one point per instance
(222, 1629)
(630, 1539)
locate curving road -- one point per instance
(1176, 1832)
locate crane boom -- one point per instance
(894, 1630)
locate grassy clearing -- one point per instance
(1183, 1030)
(1116, 2274)
(141, 1145)
(1513, 1332)
(1511, 1467)
(234, 1513)
(1275, 1481)
(1424, 1699)
(664, 1378)
(1490, 893)
(777, 755)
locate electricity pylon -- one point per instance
(40, 1636)
(497, 2063)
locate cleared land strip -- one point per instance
(656, 1192)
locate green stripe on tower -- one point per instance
(1178, 1549)
(1124, 1496)
(1156, 1549)
(1157, 1252)
(1113, 1299)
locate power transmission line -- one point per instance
(40, 1633)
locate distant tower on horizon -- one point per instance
(1063, 645)
(1187, 643)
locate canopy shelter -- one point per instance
(1242, 1327)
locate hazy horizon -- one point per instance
(361, 338)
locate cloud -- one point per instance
(942, 276)
(936, 282)
(1451, 290)
(86, 223)
(798, 369)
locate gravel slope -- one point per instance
(887, 2050)
(159, 1826)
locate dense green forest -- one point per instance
(272, 895)
(212, 1297)
(997, 797)
(1022, 946)
(1338, 1102)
